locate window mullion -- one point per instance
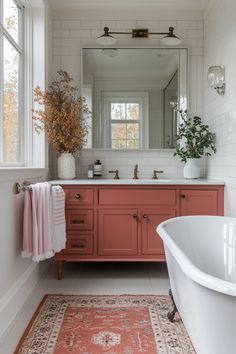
(10, 39)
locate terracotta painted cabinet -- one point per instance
(118, 223)
(117, 232)
(151, 242)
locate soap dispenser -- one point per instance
(97, 171)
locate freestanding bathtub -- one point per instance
(201, 260)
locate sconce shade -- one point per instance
(171, 38)
(216, 78)
(106, 38)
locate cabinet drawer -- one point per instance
(81, 244)
(79, 219)
(111, 196)
(79, 196)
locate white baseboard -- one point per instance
(14, 299)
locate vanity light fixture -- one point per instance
(216, 78)
(169, 39)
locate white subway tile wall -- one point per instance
(70, 35)
(220, 111)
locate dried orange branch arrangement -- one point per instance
(62, 115)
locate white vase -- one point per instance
(66, 166)
(191, 169)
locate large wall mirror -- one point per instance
(133, 94)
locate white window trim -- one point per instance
(140, 97)
(34, 150)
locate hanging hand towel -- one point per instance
(58, 219)
(37, 240)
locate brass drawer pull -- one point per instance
(77, 196)
(78, 246)
(78, 221)
(145, 216)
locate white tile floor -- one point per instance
(89, 279)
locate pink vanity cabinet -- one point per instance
(118, 222)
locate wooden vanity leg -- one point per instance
(59, 269)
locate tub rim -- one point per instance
(188, 267)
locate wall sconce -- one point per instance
(216, 78)
(169, 39)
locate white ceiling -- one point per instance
(174, 4)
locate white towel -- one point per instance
(58, 219)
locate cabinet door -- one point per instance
(151, 218)
(118, 232)
(199, 202)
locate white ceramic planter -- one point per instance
(191, 169)
(66, 166)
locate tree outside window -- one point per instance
(125, 125)
(11, 52)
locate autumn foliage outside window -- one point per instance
(11, 95)
(125, 125)
(62, 114)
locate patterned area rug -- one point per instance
(124, 324)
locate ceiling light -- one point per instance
(110, 52)
(169, 39)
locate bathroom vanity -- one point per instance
(116, 220)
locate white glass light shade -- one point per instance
(216, 78)
(170, 40)
(106, 40)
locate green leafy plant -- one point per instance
(194, 138)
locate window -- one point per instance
(125, 125)
(11, 82)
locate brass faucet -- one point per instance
(116, 174)
(155, 174)
(135, 172)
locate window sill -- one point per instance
(22, 173)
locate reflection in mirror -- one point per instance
(133, 94)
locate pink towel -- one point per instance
(37, 239)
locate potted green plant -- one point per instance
(193, 140)
(61, 114)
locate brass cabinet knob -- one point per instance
(135, 216)
(145, 216)
(77, 196)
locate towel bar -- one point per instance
(17, 188)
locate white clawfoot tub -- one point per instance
(201, 260)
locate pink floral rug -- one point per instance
(124, 324)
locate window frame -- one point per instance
(125, 97)
(20, 49)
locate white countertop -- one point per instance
(141, 181)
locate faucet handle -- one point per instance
(116, 173)
(155, 174)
